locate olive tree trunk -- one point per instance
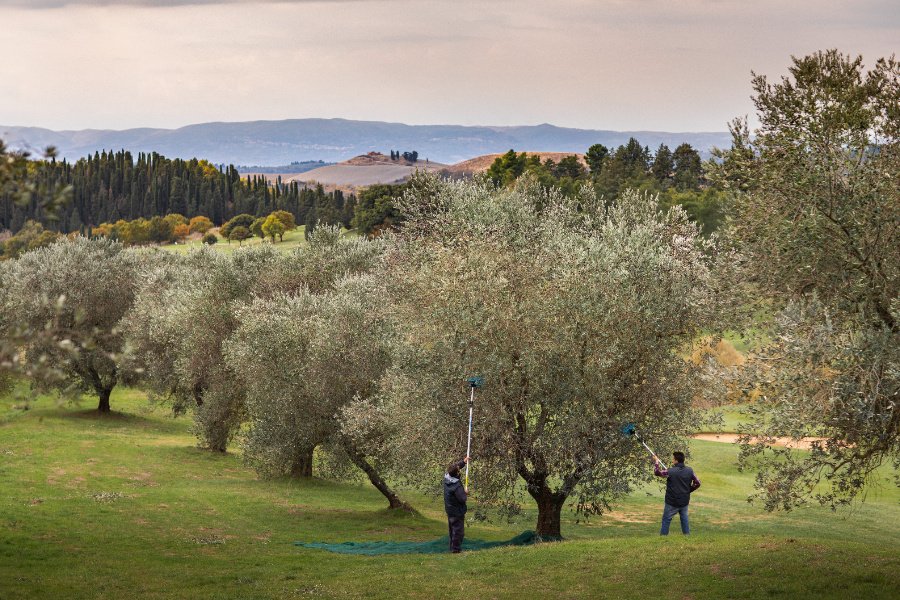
(104, 394)
(549, 505)
(375, 478)
(102, 388)
(303, 462)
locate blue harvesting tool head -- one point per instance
(476, 382)
(628, 429)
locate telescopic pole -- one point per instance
(652, 452)
(469, 442)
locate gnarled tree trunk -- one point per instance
(102, 388)
(360, 461)
(550, 505)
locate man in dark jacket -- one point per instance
(455, 496)
(680, 484)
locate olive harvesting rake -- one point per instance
(629, 430)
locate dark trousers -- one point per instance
(457, 527)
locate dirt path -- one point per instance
(732, 438)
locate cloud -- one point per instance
(597, 64)
(45, 4)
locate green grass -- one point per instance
(295, 238)
(292, 239)
(127, 505)
(732, 416)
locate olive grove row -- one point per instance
(571, 310)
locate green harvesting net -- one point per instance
(438, 546)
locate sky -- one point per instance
(661, 65)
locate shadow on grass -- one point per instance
(115, 419)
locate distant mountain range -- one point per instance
(270, 143)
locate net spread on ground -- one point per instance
(438, 546)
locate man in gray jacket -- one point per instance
(455, 496)
(680, 484)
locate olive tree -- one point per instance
(183, 313)
(9, 346)
(17, 181)
(79, 288)
(818, 221)
(302, 359)
(573, 312)
(187, 308)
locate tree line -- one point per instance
(676, 177)
(406, 155)
(112, 186)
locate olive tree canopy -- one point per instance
(80, 288)
(187, 308)
(820, 224)
(302, 359)
(183, 313)
(573, 312)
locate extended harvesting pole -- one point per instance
(469, 443)
(629, 430)
(473, 382)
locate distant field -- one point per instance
(360, 176)
(479, 164)
(292, 239)
(357, 172)
(126, 506)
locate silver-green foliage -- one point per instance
(302, 358)
(79, 290)
(820, 225)
(185, 310)
(574, 313)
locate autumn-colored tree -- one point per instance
(106, 230)
(272, 227)
(31, 236)
(181, 231)
(286, 218)
(174, 220)
(200, 224)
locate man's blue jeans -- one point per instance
(668, 513)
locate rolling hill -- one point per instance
(374, 167)
(270, 143)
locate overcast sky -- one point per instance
(600, 64)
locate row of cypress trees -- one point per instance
(109, 186)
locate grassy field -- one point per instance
(292, 239)
(732, 417)
(126, 505)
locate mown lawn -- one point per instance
(292, 239)
(295, 238)
(127, 506)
